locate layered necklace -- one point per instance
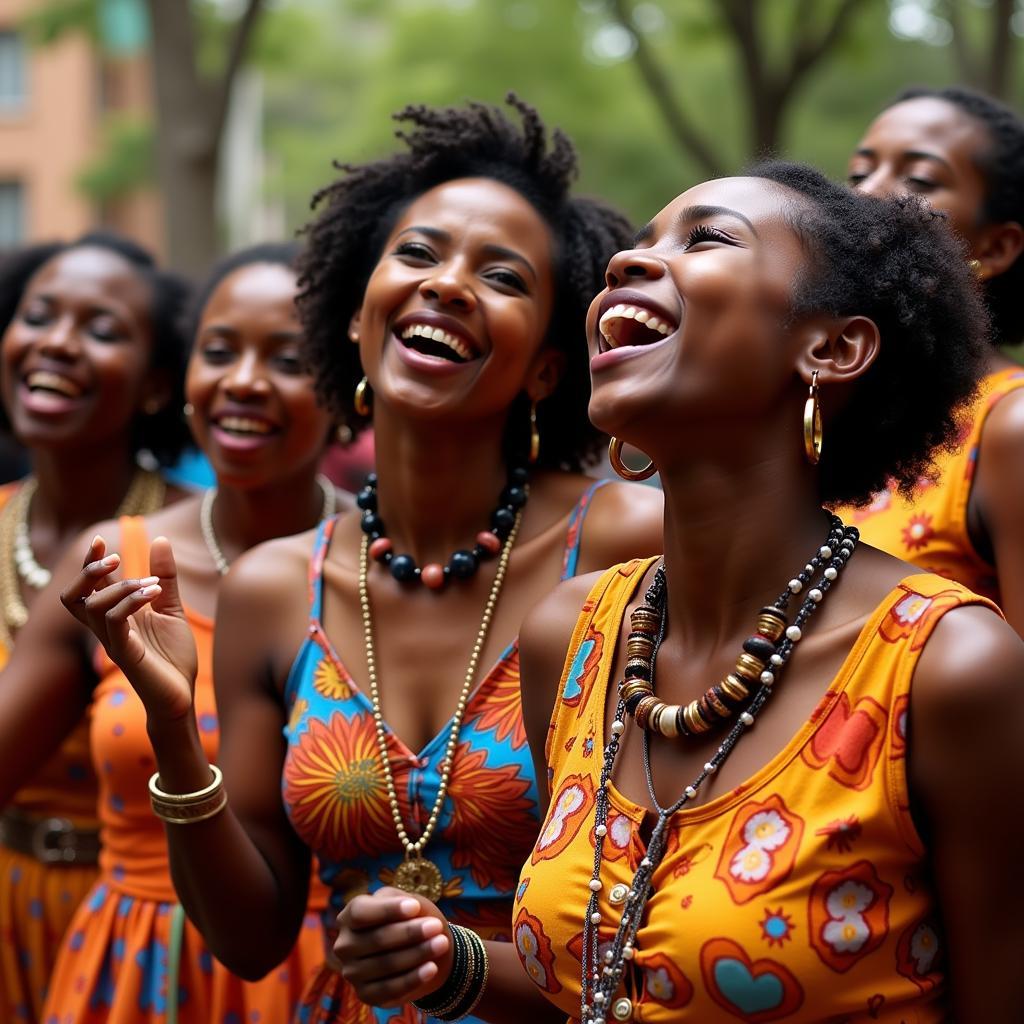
(418, 874)
(145, 494)
(744, 692)
(328, 508)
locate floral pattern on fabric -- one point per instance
(849, 915)
(848, 742)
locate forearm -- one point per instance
(510, 997)
(249, 917)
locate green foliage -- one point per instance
(125, 163)
(53, 20)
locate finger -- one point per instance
(116, 625)
(162, 565)
(373, 911)
(381, 966)
(402, 988)
(98, 604)
(96, 548)
(353, 945)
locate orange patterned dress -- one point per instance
(801, 895)
(129, 955)
(931, 530)
(38, 898)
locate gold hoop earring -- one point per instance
(977, 269)
(534, 434)
(615, 458)
(361, 401)
(812, 422)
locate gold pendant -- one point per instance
(420, 876)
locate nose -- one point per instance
(447, 285)
(631, 264)
(880, 183)
(60, 339)
(245, 378)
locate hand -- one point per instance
(393, 947)
(141, 625)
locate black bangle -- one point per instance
(464, 987)
(447, 993)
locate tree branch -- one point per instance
(685, 133)
(809, 52)
(961, 47)
(1001, 49)
(240, 39)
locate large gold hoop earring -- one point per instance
(812, 422)
(361, 401)
(615, 458)
(534, 434)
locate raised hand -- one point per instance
(393, 947)
(141, 625)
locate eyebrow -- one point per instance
(692, 213)
(493, 251)
(910, 154)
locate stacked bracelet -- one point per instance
(458, 996)
(188, 808)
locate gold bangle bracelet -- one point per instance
(188, 808)
(185, 798)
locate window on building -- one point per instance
(12, 70)
(12, 214)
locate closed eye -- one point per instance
(705, 233)
(415, 251)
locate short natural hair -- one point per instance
(357, 212)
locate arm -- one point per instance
(394, 947)
(241, 875)
(1000, 492)
(625, 521)
(966, 768)
(47, 684)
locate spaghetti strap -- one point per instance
(574, 535)
(322, 542)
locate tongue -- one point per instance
(429, 347)
(632, 332)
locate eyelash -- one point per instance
(415, 250)
(704, 233)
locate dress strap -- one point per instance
(574, 535)
(316, 567)
(134, 549)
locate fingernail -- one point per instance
(409, 907)
(110, 560)
(432, 927)
(427, 971)
(439, 945)
(148, 591)
(148, 581)
(96, 540)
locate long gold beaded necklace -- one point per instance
(418, 874)
(145, 494)
(602, 975)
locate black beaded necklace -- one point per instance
(464, 563)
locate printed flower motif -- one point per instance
(335, 789)
(848, 740)
(766, 830)
(918, 955)
(664, 982)
(776, 927)
(841, 833)
(565, 817)
(328, 681)
(848, 934)
(924, 947)
(582, 673)
(534, 949)
(500, 704)
(918, 532)
(493, 821)
(913, 613)
(849, 898)
(751, 864)
(849, 913)
(299, 709)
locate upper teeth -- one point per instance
(53, 382)
(642, 316)
(437, 334)
(242, 424)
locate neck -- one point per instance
(735, 534)
(245, 517)
(78, 488)
(437, 484)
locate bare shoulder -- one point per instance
(273, 569)
(553, 619)
(624, 521)
(1004, 425)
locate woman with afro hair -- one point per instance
(368, 672)
(799, 801)
(92, 361)
(963, 153)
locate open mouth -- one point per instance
(52, 383)
(435, 341)
(624, 325)
(244, 426)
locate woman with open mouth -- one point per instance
(128, 955)
(91, 367)
(771, 823)
(963, 153)
(445, 293)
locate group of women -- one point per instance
(626, 797)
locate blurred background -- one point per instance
(201, 125)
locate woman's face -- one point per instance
(75, 359)
(926, 147)
(254, 411)
(457, 307)
(692, 326)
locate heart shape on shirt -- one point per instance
(756, 991)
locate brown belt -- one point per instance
(49, 840)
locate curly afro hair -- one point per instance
(164, 433)
(359, 210)
(895, 261)
(1002, 166)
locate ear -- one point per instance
(998, 247)
(839, 350)
(545, 373)
(353, 326)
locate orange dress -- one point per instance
(129, 955)
(801, 895)
(931, 530)
(37, 899)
